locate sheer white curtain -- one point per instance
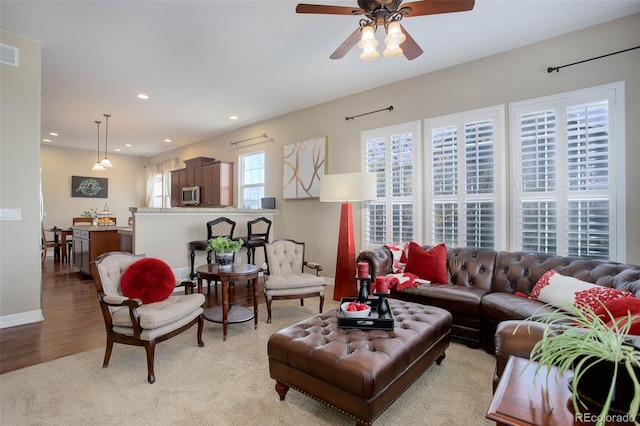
(158, 178)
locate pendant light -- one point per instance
(98, 165)
(105, 161)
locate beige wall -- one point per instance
(511, 76)
(508, 77)
(20, 281)
(126, 184)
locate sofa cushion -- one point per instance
(459, 300)
(562, 291)
(148, 279)
(429, 265)
(500, 306)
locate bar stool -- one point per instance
(258, 236)
(220, 227)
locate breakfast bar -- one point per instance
(165, 233)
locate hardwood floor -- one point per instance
(72, 319)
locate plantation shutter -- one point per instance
(462, 159)
(390, 154)
(564, 193)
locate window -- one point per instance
(568, 163)
(156, 192)
(390, 153)
(464, 171)
(158, 178)
(251, 180)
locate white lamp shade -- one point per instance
(346, 187)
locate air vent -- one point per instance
(8, 55)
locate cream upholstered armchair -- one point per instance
(130, 321)
(285, 278)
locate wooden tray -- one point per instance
(372, 322)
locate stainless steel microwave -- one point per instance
(191, 196)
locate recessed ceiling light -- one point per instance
(143, 96)
(128, 145)
(53, 134)
(167, 140)
(233, 117)
(117, 150)
(46, 140)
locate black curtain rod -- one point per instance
(552, 69)
(389, 108)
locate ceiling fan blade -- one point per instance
(410, 48)
(433, 7)
(328, 10)
(347, 45)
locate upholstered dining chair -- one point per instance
(257, 236)
(131, 320)
(285, 277)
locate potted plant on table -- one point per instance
(604, 359)
(224, 248)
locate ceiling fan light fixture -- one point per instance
(392, 52)
(368, 44)
(394, 37)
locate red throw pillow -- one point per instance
(621, 308)
(148, 279)
(429, 265)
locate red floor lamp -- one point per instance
(347, 188)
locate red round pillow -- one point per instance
(148, 279)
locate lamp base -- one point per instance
(345, 283)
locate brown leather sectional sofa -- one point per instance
(482, 285)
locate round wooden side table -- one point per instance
(230, 314)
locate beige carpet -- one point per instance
(225, 383)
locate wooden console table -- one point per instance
(520, 402)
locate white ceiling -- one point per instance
(202, 61)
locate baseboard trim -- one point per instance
(21, 318)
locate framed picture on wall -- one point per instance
(304, 166)
(89, 187)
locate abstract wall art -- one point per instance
(304, 166)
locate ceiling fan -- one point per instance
(387, 13)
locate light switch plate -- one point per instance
(10, 214)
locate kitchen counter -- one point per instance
(89, 242)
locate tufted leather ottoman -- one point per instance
(359, 372)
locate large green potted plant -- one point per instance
(604, 359)
(224, 248)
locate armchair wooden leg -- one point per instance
(150, 347)
(200, 327)
(107, 353)
(268, 310)
(321, 302)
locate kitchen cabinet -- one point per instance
(91, 242)
(194, 175)
(217, 185)
(178, 181)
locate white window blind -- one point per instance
(390, 153)
(466, 206)
(565, 167)
(251, 179)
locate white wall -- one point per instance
(20, 281)
(126, 184)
